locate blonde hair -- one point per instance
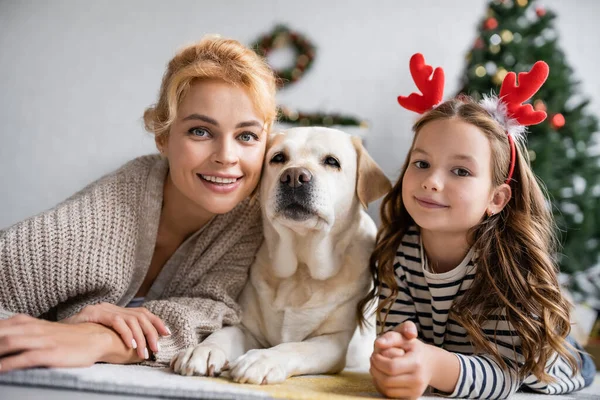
(213, 57)
(516, 272)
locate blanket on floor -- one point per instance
(161, 382)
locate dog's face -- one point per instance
(310, 178)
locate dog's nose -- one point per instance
(296, 177)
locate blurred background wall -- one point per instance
(75, 76)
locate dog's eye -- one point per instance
(278, 158)
(331, 161)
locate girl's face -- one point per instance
(447, 186)
(215, 147)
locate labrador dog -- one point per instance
(300, 302)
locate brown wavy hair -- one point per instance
(516, 271)
(213, 57)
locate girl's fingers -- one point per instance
(385, 381)
(408, 329)
(138, 336)
(389, 339)
(401, 393)
(392, 366)
(393, 352)
(149, 332)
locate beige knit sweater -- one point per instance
(97, 246)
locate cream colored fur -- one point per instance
(299, 305)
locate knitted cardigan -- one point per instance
(97, 247)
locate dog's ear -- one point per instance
(371, 182)
(254, 195)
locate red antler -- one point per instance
(513, 96)
(432, 89)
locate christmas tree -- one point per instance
(512, 37)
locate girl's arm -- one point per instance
(450, 374)
(462, 376)
(481, 376)
(565, 380)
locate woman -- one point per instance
(175, 232)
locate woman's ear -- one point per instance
(161, 144)
(500, 199)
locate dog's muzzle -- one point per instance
(295, 194)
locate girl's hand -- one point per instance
(396, 338)
(27, 342)
(136, 326)
(400, 363)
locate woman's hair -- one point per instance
(516, 273)
(213, 57)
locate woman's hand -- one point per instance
(136, 326)
(27, 342)
(400, 364)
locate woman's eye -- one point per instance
(248, 137)
(278, 158)
(461, 172)
(421, 164)
(331, 161)
(199, 132)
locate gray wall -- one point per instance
(75, 76)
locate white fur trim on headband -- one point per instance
(497, 109)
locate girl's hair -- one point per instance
(213, 57)
(516, 275)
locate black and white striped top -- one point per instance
(425, 298)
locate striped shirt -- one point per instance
(425, 298)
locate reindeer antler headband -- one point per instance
(507, 109)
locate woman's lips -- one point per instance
(220, 188)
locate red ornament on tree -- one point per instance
(557, 121)
(540, 11)
(478, 43)
(490, 23)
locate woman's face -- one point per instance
(215, 147)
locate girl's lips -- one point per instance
(220, 188)
(429, 203)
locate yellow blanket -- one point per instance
(346, 385)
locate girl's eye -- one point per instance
(248, 137)
(199, 132)
(329, 160)
(461, 172)
(421, 164)
(278, 158)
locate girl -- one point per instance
(174, 232)
(463, 264)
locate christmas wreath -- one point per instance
(282, 37)
(304, 50)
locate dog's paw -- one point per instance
(259, 367)
(201, 360)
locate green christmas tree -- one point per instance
(512, 37)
